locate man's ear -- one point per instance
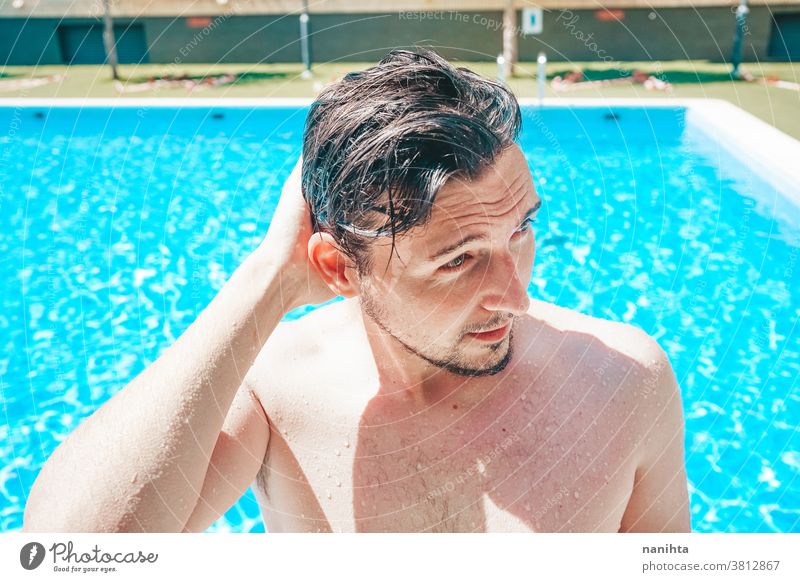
(333, 266)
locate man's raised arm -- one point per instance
(139, 462)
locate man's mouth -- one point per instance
(494, 334)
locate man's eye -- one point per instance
(526, 226)
(455, 263)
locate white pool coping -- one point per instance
(773, 155)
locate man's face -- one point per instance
(431, 300)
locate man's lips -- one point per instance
(495, 334)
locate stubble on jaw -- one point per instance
(453, 364)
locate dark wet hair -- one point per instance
(380, 143)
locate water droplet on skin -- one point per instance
(523, 396)
(419, 466)
(346, 444)
(328, 474)
(328, 495)
(576, 495)
(338, 452)
(338, 483)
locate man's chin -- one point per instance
(459, 368)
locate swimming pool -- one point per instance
(119, 224)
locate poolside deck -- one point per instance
(779, 106)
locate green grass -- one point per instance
(689, 79)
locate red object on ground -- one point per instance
(608, 15)
(198, 21)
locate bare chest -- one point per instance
(516, 463)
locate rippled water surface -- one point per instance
(118, 226)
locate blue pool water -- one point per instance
(117, 226)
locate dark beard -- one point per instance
(451, 365)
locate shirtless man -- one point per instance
(437, 396)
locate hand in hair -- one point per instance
(286, 243)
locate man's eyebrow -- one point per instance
(534, 208)
(474, 237)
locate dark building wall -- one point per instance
(51, 41)
(28, 41)
(568, 36)
(334, 37)
(235, 39)
(674, 34)
(370, 36)
(784, 42)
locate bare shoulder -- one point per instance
(604, 336)
(295, 352)
(644, 396)
(623, 357)
(627, 362)
(300, 338)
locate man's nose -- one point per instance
(505, 286)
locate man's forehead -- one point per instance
(495, 196)
(498, 187)
(502, 190)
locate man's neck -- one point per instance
(404, 374)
